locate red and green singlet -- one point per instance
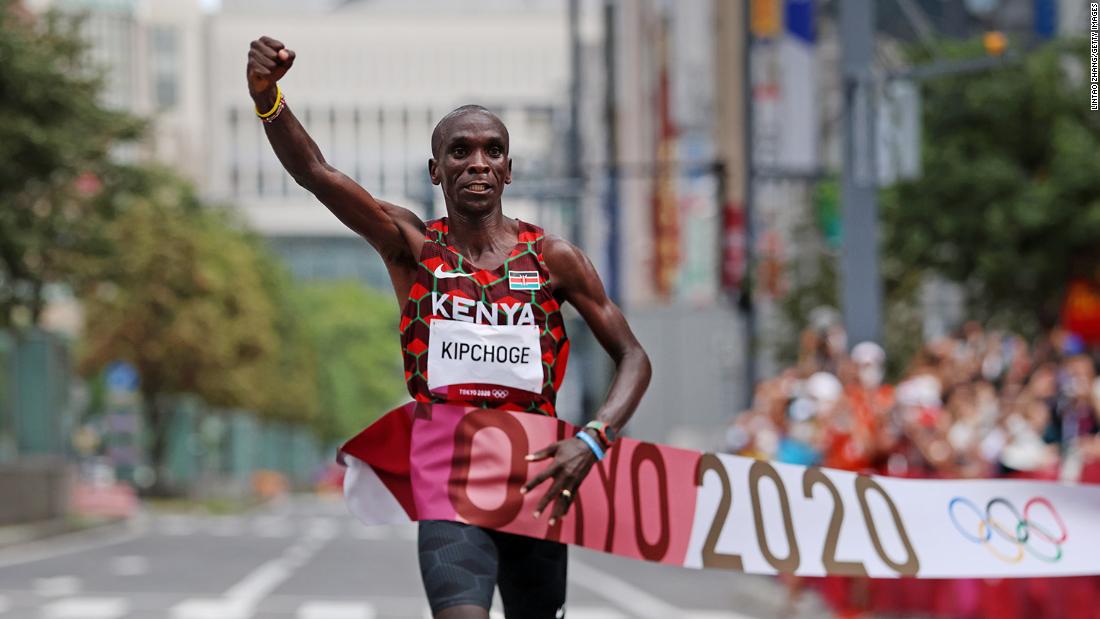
(493, 338)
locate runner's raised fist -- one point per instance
(268, 62)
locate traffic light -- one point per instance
(994, 42)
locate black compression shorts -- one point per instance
(461, 563)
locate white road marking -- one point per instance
(585, 612)
(4, 605)
(86, 608)
(56, 587)
(210, 609)
(177, 525)
(323, 527)
(362, 531)
(70, 543)
(259, 583)
(336, 610)
(129, 565)
(241, 599)
(576, 612)
(273, 526)
(637, 602)
(227, 526)
(712, 614)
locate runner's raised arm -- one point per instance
(395, 232)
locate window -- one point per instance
(164, 64)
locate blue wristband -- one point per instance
(592, 444)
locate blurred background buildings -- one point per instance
(651, 179)
(761, 184)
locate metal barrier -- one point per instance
(205, 446)
(38, 393)
(8, 449)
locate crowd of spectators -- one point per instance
(981, 403)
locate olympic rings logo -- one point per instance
(1026, 529)
(500, 394)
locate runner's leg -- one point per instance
(531, 577)
(458, 565)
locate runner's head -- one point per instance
(470, 158)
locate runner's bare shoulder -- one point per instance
(412, 230)
(568, 265)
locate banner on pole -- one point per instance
(704, 510)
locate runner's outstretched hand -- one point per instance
(268, 62)
(572, 461)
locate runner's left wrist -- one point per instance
(602, 432)
(592, 443)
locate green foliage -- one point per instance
(178, 295)
(292, 392)
(354, 331)
(197, 305)
(53, 133)
(1009, 200)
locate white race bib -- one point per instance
(463, 352)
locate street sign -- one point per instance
(122, 376)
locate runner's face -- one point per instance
(473, 165)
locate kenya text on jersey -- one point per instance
(467, 310)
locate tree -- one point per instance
(292, 393)
(54, 141)
(353, 330)
(187, 299)
(1009, 201)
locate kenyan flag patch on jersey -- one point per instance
(523, 280)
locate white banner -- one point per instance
(823, 521)
(703, 510)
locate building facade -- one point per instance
(152, 54)
(369, 82)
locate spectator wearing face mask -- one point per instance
(1090, 446)
(1073, 421)
(869, 402)
(810, 416)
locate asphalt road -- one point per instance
(306, 558)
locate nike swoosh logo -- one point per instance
(441, 274)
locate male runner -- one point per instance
(481, 324)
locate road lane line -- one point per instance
(227, 526)
(361, 531)
(4, 604)
(589, 612)
(209, 609)
(70, 543)
(336, 610)
(259, 583)
(240, 601)
(637, 602)
(129, 565)
(273, 526)
(57, 586)
(711, 614)
(86, 608)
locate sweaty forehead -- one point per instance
(469, 125)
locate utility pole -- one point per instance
(861, 284)
(734, 171)
(748, 293)
(574, 147)
(611, 197)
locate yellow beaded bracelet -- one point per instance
(274, 108)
